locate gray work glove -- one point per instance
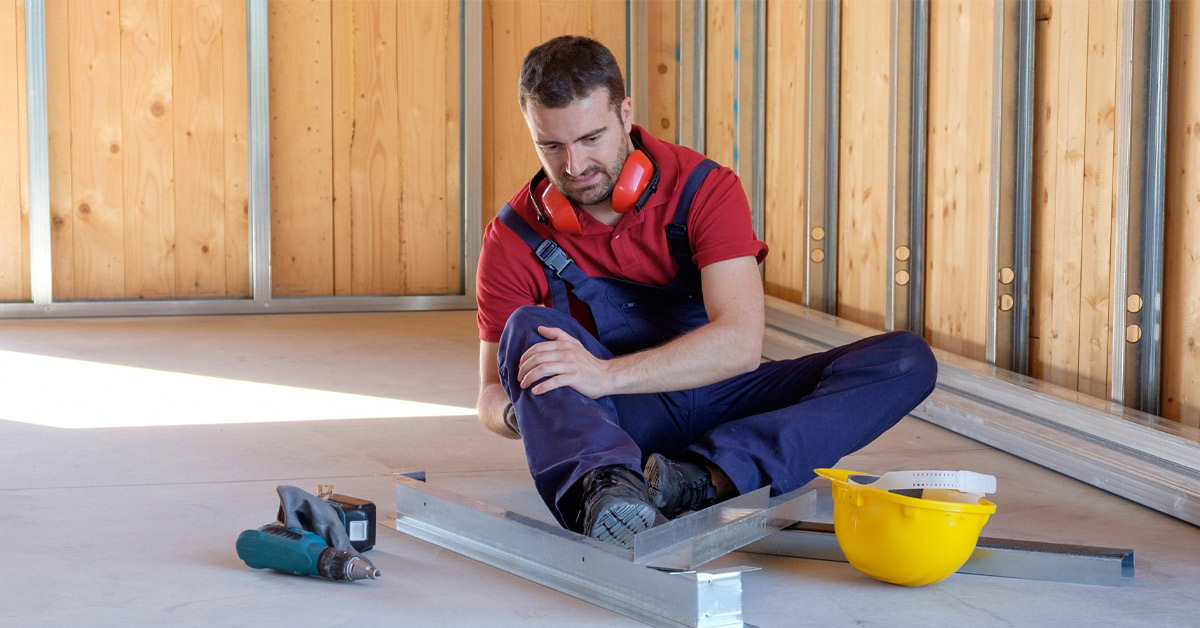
(305, 511)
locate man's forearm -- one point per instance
(490, 405)
(704, 356)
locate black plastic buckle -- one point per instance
(553, 256)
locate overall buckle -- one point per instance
(553, 256)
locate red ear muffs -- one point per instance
(552, 207)
(636, 183)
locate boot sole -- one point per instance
(620, 522)
(652, 472)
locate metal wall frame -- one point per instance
(906, 165)
(261, 300)
(1138, 236)
(821, 154)
(1012, 182)
(917, 181)
(689, 97)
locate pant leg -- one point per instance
(775, 425)
(566, 434)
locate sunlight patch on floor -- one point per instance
(67, 393)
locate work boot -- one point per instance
(616, 506)
(678, 487)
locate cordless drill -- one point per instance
(300, 552)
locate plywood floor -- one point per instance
(133, 452)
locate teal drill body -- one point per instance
(300, 552)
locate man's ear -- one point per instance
(627, 114)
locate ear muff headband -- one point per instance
(637, 181)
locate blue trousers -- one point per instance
(771, 426)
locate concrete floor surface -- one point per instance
(121, 509)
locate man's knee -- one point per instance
(914, 359)
(521, 329)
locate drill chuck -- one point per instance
(337, 564)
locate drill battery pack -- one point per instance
(358, 515)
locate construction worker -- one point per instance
(621, 324)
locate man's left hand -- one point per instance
(562, 361)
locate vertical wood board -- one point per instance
(720, 84)
(786, 116)
(429, 219)
(148, 165)
(11, 250)
(58, 123)
(301, 154)
(430, 200)
(236, 129)
(663, 58)
(959, 170)
(1181, 285)
(199, 149)
(375, 153)
(863, 163)
(1072, 19)
(96, 145)
(1098, 169)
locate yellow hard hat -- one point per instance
(904, 540)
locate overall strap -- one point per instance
(677, 236)
(558, 266)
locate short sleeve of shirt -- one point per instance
(502, 283)
(719, 224)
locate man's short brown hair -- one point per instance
(567, 68)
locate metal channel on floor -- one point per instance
(1029, 560)
(669, 594)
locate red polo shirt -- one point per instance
(719, 228)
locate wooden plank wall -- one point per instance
(511, 29)
(148, 149)
(1073, 200)
(143, 111)
(1181, 283)
(365, 194)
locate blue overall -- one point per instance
(771, 426)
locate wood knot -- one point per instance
(114, 148)
(84, 208)
(157, 109)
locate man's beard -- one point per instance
(597, 192)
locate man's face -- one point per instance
(582, 146)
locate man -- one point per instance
(621, 324)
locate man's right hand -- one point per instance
(563, 361)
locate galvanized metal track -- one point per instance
(1030, 560)
(568, 562)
